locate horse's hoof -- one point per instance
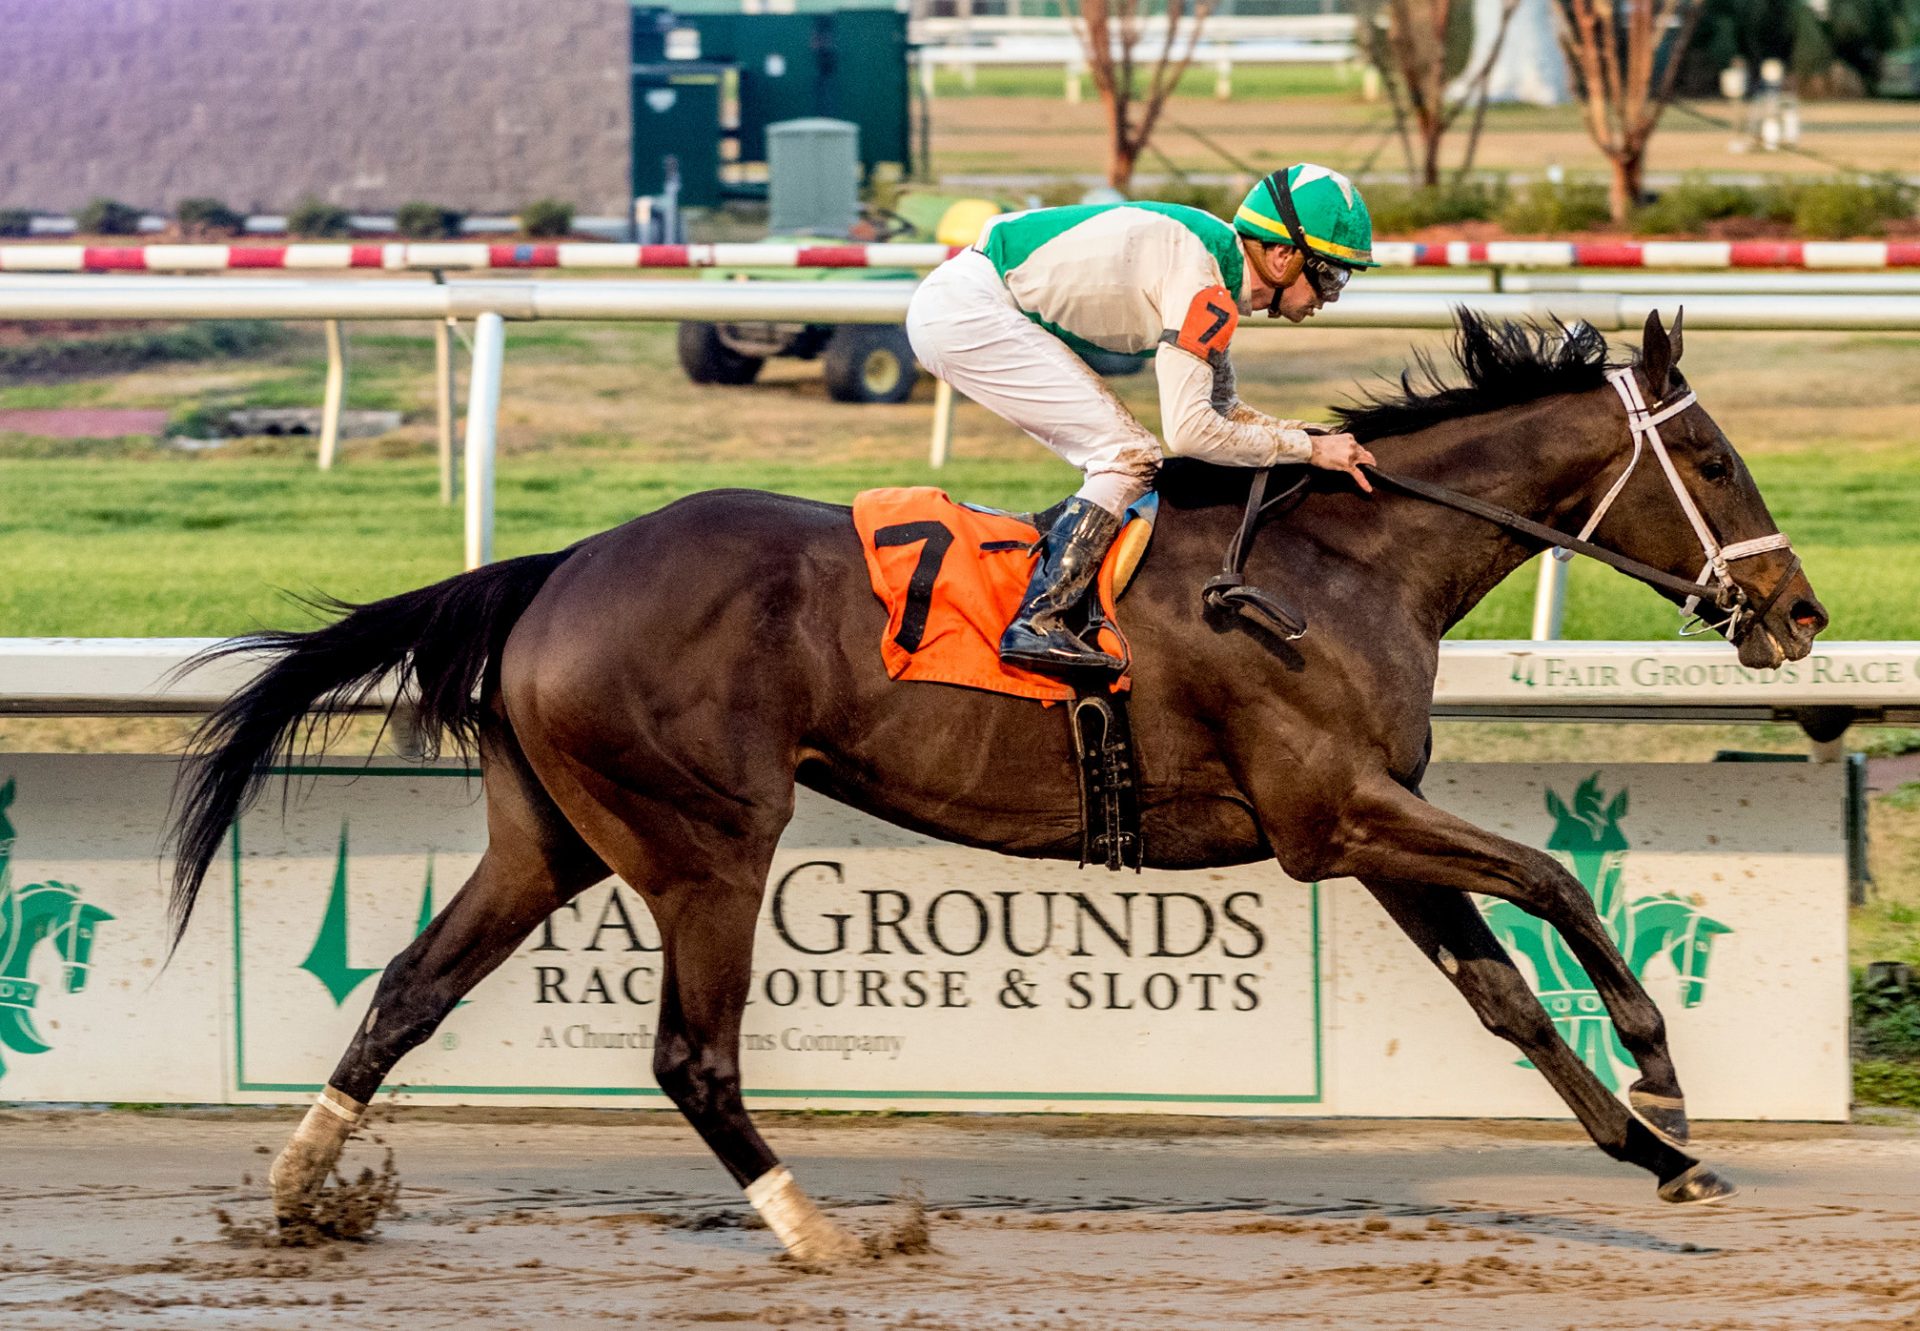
(1698, 1184)
(1665, 1116)
(809, 1237)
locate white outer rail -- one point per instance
(883, 302)
(1607, 681)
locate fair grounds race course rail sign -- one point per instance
(895, 971)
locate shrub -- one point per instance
(1060, 193)
(207, 217)
(316, 219)
(1220, 200)
(1776, 202)
(122, 350)
(1886, 1018)
(108, 217)
(1398, 209)
(1879, 1081)
(1833, 210)
(427, 221)
(1888, 741)
(1694, 202)
(1546, 208)
(15, 222)
(546, 218)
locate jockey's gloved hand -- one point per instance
(1342, 452)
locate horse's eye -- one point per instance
(1715, 469)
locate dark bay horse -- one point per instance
(644, 702)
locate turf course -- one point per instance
(131, 538)
(202, 547)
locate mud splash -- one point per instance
(344, 1210)
(906, 1233)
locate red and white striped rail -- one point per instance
(455, 255)
(591, 255)
(1651, 254)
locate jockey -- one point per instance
(1001, 322)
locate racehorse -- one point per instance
(644, 702)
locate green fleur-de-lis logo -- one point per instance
(328, 961)
(37, 913)
(1588, 838)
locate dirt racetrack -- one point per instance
(584, 1220)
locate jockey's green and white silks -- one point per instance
(1113, 276)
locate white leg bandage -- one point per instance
(302, 1167)
(796, 1221)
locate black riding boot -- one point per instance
(1038, 638)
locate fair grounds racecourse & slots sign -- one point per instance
(891, 970)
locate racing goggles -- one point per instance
(1329, 278)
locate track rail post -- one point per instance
(942, 424)
(445, 389)
(336, 394)
(1550, 599)
(483, 413)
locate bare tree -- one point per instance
(1626, 54)
(1407, 43)
(1110, 30)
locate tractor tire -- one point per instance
(870, 363)
(708, 360)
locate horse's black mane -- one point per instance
(1506, 363)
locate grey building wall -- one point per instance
(472, 104)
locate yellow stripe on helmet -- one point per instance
(1279, 233)
(1265, 224)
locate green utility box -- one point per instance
(676, 116)
(849, 64)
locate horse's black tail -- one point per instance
(435, 645)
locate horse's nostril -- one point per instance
(1807, 613)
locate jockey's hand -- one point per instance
(1342, 452)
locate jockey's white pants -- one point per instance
(966, 329)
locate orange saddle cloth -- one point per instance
(951, 577)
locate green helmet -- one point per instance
(1333, 217)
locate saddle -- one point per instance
(951, 576)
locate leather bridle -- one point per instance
(1715, 583)
(1644, 422)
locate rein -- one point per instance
(1506, 517)
(1228, 590)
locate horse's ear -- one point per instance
(1656, 354)
(1673, 334)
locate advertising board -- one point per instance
(894, 971)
